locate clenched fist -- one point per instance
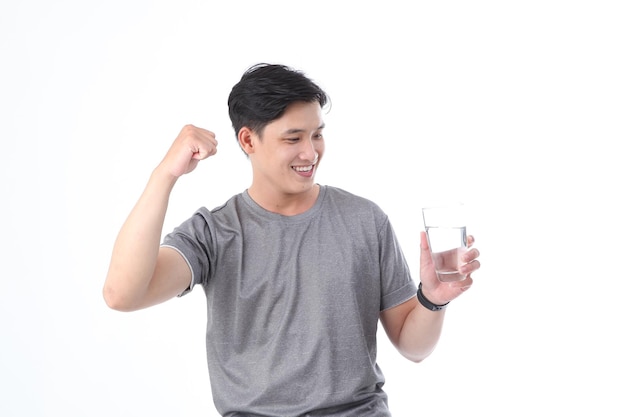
(192, 145)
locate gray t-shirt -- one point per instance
(293, 303)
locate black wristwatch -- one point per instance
(427, 303)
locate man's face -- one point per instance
(285, 160)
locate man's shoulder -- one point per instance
(347, 197)
(229, 204)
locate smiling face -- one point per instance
(285, 158)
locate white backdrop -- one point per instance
(515, 108)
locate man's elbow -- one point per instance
(414, 359)
(416, 356)
(116, 300)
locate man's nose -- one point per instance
(308, 152)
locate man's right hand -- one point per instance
(192, 145)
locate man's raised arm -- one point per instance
(141, 273)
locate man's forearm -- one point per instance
(136, 248)
(420, 333)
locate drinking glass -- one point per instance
(446, 230)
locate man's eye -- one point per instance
(293, 139)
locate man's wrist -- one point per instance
(427, 303)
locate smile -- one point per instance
(303, 168)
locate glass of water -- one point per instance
(447, 238)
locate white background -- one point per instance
(515, 108)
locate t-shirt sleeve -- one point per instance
(195, 242)
(397, 286)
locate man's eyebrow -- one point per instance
(294, 131)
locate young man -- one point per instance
(296, 274)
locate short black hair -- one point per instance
(264, 93)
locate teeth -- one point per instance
(303, 169)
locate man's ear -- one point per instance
(245, 138)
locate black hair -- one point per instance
(264, 93)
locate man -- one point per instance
(296, 274)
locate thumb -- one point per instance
(199, 154)
(202, 152)
(424, 243)
(426, 260)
